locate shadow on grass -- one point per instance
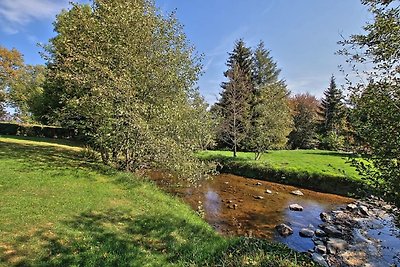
(116, 238)
(40, 158)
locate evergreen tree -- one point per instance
(233, 108)
(333, 113)
(265, 70)
(270, 121)
(332, 109)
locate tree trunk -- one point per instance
(258, 155)
(234, 151)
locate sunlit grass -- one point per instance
(317, 162)
(59, 209)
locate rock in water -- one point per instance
(295, 207)
(351, 207)
(364, 210)
(332, 231)
(319, 259)
(320, 233)
(305, 232)
(321, 249)
(334, 245)
(297, 193)
(325, 217)
(284, 230)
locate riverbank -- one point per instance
(319, 170)
(59, 208)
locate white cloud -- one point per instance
(16, 13)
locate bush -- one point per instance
(37, 131)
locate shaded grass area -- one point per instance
(325, 171)
(58, 209)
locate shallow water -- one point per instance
(231, 206)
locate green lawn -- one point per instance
(59, 209)
(318, 162)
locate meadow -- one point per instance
(60, 208)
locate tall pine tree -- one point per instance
(332, 109)
(233, 108)
(333, 113)
(270, 114)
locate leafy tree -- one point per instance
(25, 91)
(11, 62)
(306, 118)
(375, 103)
(122, 73)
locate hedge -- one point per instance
(7, 128)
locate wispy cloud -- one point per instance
(14, 14)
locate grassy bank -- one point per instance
(59, 209)
(325, 171)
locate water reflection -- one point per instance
(236, 205)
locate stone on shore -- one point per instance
(297, 193)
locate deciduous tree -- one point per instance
(123, 73)
(376, 102)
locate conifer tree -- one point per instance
(332, 109)
(270, 114)
(233, 108)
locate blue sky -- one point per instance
(302, 35)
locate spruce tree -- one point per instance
(332, 109)
(270, 121)
(233, 108)
(265, 69)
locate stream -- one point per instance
(240, 206)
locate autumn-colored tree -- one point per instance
(304, 108)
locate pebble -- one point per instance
(268, 191)
(258, 197)
(321, 249)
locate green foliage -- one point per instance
(122, 74)
(25, 91)
(375, 113)
(253, 111)
(332, 110)
(265, 69)
(61, 210)
(271, 121)
(233, 108)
